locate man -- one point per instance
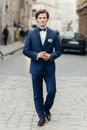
(43, 47)
(22, 34)
(5, 34)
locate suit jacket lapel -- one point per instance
(38, 36)
(47, 37)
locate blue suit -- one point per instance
(41, 69)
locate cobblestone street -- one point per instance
(41, 38)
(17, 109)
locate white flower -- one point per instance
(50, 40)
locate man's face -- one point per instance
(42, 19)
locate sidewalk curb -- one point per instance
(12, 52)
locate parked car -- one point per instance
(73, 42)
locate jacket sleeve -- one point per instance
(57, 48)
(27, 50)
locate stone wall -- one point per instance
(82, 12)
(13, 11)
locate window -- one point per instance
(21, 3)
(34, 0)
(33, 12)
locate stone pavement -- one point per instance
(11, 48)
(17, 110)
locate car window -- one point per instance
(69, 35)
(79, 35)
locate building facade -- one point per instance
(0, 18)
(53, 9)
(63, 15)
(21, 13)
(68, 15)
(15, 14)
(6, 18)
(82, 12)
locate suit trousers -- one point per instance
(42, 105)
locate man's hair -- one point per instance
(41, 11)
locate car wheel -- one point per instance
(83, 52)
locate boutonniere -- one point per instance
(50, 40)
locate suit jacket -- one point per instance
(33, 46)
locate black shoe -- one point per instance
(48, 115)
(41, 122)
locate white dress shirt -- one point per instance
(43, 36)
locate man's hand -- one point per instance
(41, 54)
(44, 55)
